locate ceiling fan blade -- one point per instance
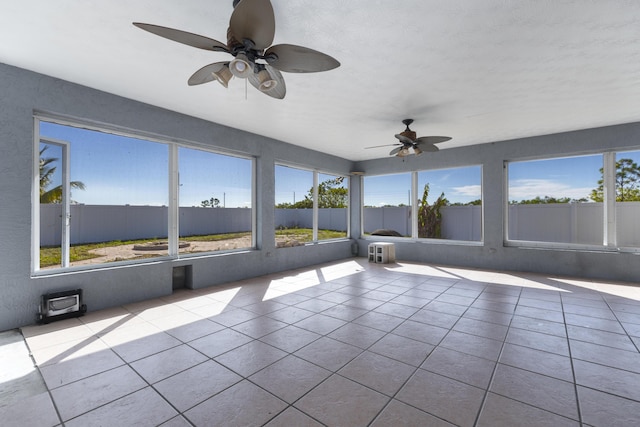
(299, 59)
(190, 39)
(395, 151)
(432, 139)
(427, 147)
(278, 91)
(254, 20)
(404, 139)
(385, 145)
(205, 74)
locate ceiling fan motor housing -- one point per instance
(409, 134)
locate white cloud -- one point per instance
(468, 190)
(523, 189)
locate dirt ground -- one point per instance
(125, 252)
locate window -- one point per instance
(551, 201)
(387, 204)
(333, 203)
(298, 217)
(627, 199)
(450, 204)
(215, 202)
(114, 206)
(106, 197)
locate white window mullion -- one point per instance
(609, 199)
(174, 201)
(315, 206)
(414, 205)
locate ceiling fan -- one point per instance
(409, 142)
(249, 38)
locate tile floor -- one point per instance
(345, 344)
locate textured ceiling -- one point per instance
(478, 71)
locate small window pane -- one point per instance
(450, 204)
(628, 198)
(552, 200)
(215, 202)
(387, 204)
(294, 206)
(118, 195)
(333, 212)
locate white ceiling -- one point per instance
(478, 71)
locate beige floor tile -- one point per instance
(380, 321)
(538, 341)
(434, 318)
(290, 338)
(333, 403)
(345, 312)
(290, 378)
(539, 325)
(448, 399)
(223, 409)
(378, 372)
(320, 324)
(472, 344)
(193, 386)
(602, 409)
(358, 335)
(144, 407)
(541, 362)
(329, 353)
(250, 358)
(37, 341)
(463, 367)
(482, 329)
(85, 395)
(398, 414)
(292, 417)
(79, 366)
(608, 356)
(405, 350)
(501, 411)
(234, 317)
(166, 363)
(219, 342)
(418, 331)
(606, 379)
(397, 310)
(36, 410)
(259, 327)
(608, 339)
(537, 390)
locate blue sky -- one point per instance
(124, 170)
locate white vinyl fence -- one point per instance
(564, 222)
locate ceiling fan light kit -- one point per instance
(223, 75)
(249, 37)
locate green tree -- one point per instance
(627, 182)
(47, 170)
(211, 203)
(429, 216)
(331, 194)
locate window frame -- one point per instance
(609, 225)
(316, 172)
(414, 211)
(173, 146)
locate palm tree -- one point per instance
(53, 195)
